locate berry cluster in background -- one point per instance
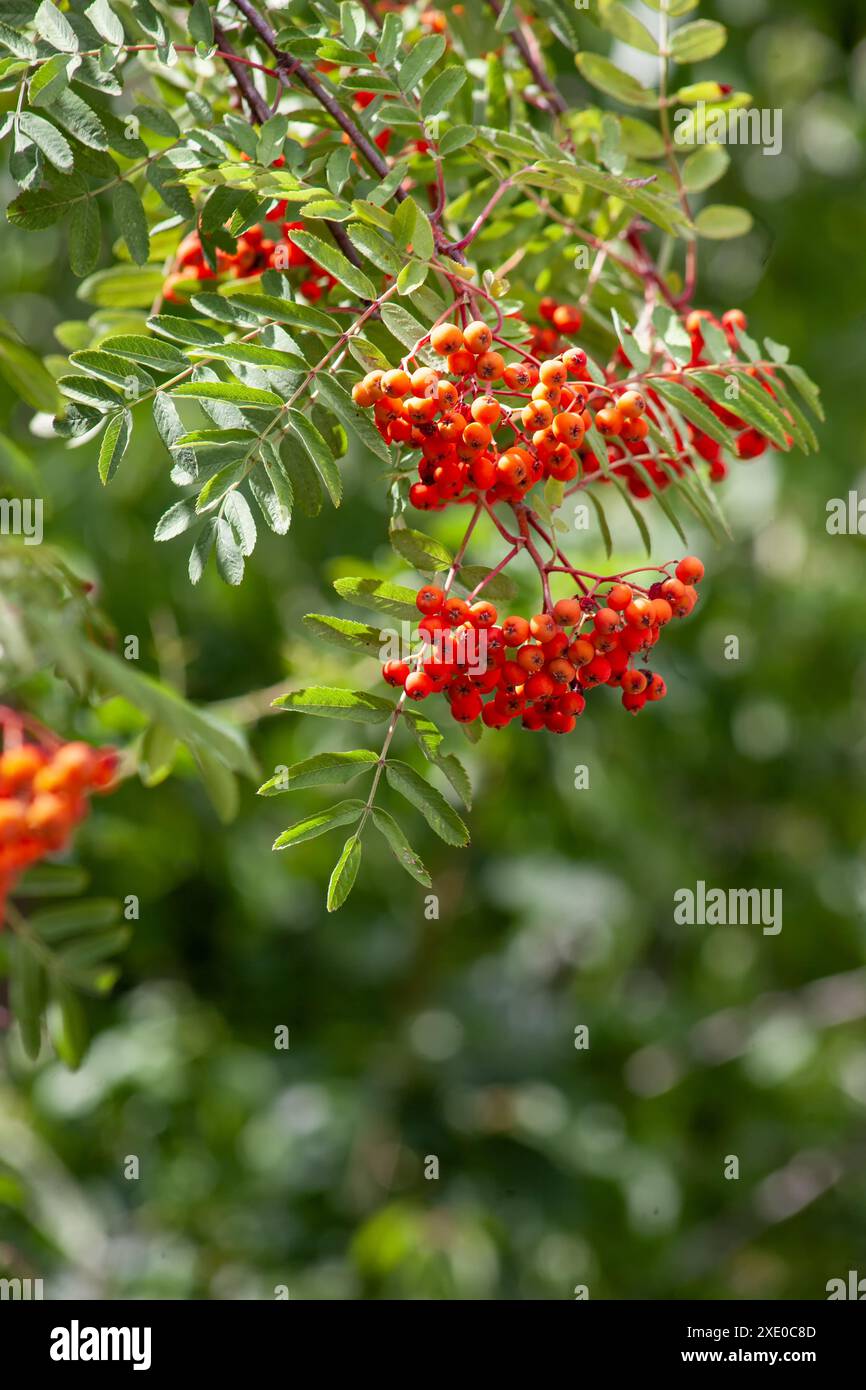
(44, 789)
(253, 255)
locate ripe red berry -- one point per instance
(634, 701)
(539, 685)
(581, 651)
(466, 708)
(478, 337)
(446, 338)
(690, 570)
(395, 672)
(418, 686)
(454, 610)
(619, 597)
(494, 717)
(429, 599)
(530, 658)
(640, 612)
(572, 702)
(543, 627)
(607, 620)
(482, 614)
(597, 672)
(515, 631)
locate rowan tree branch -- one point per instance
(261, 111)
(291, 68)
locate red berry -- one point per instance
(430, 598)
(482, 614)
(690, 570)
(395, 672)
(418, 686)
(466, 708)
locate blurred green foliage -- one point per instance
(455, 1037)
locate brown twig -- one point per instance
(525, 46)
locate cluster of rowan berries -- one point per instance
(540, 669)
(454, 416)
(253, 254)
(43, 796)
(749, 442)
(560, 321)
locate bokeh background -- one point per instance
(454, 1037)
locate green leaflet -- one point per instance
(336, 263)
(379, 595)
(114, 444)
(343, 632)
(319, 453)
(335, 703)
(321, 769)
(403, 851)
(424, 552)
(342, 880)
(438, 813)
(344, 813)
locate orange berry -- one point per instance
(619, 597)
(19, 766)
(478, 337)
(452, 425)
(568, 428)
(476, 436)
(561, 671)
(609, 420)
(482, 614)
(640, 612)
(454, 610)
(517, 377)
(690, 570)
(662, 612)
(543, 627)
(424, 381)
(420, 410)
(515, 631)
(486, 410)
(537, 415)
(631, 404)
(673, 589)
(581, 651)
(447, 395)
(530, 658)
(553, 372)
(396, 382)
(461, 362)
(635, 429)
(446, 339)
(511, 467)
(429, 599)
(567, 611)
(489, 366)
